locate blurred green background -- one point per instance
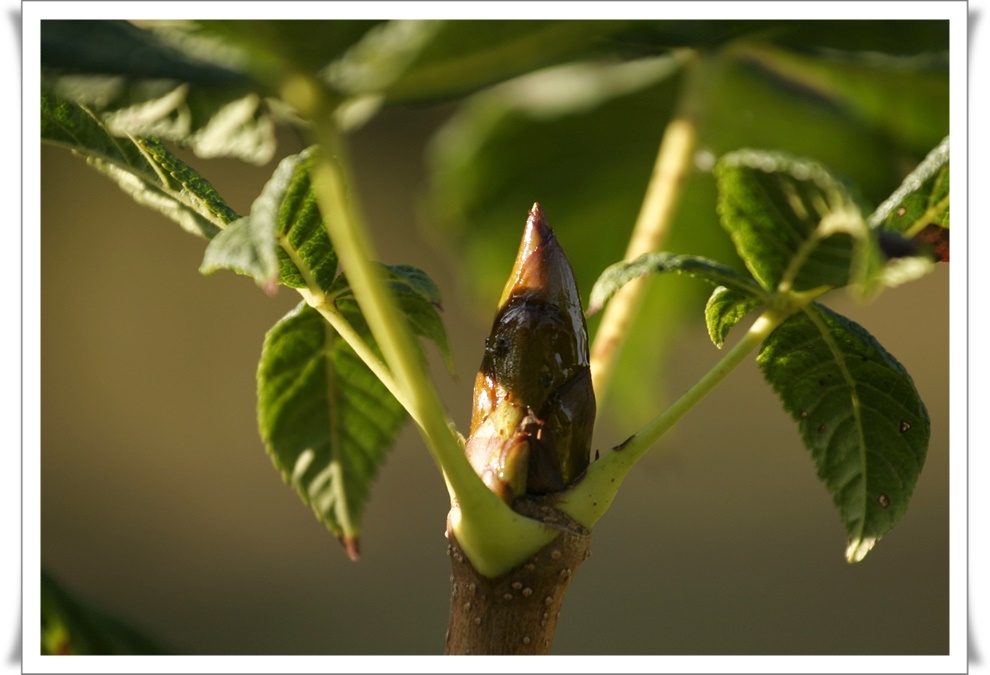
(160, 505)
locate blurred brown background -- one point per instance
(160, 505)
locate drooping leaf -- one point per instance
(154, 90)
(424, 60)
(283, 238)
(70, 626)
(859, 414)
(618, 275)
(325, 418)
(724, 309)
(793, 224)
(143, 167)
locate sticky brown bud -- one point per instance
(534, 407)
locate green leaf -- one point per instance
(153, 90)
(910, 228)
(283, 238)
(121, 48)
(724, 309)
(421, 60)
(325, 418)
(858, 413)
(921, 200)
(248, 246)
(618, 275)
(306, 254)
(72, 626)
(793, 224)
(143, 167)
(268, 48)
(903, 97)
(418, 299)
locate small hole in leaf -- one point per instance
(884, 501)
(803, 413)
(901, 211)
(904, 426)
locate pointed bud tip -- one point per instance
(537, 227)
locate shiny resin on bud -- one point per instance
(534, 408)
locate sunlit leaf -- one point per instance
(858, 413)
(792, 223)
(724, 309)
(325, 418)
(143, 167)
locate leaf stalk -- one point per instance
(493, 537)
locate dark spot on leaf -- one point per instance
(904, 426)
(884, 500)
(821, 428)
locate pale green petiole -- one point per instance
(588, 499)
(493, 537)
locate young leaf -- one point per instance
(247, 246)
(859, 414)
(793, 224)
(418, 299)
(324, 417)
(618, 275)
(143, 167)
(283, 233)
(725, 308)
(150, 89)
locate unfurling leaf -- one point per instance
(534, 408)
(859, 414)
(325, 418)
